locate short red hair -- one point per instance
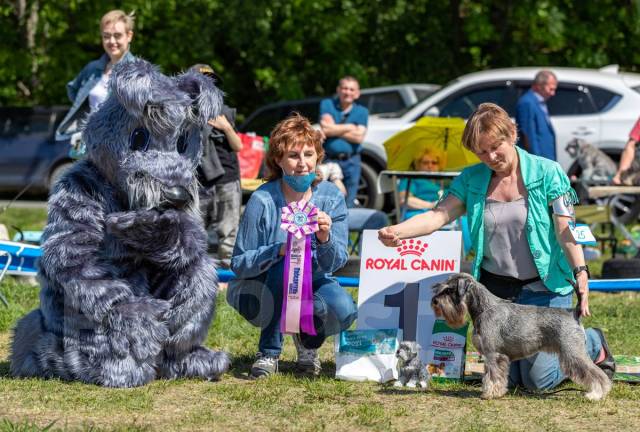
(293, 131)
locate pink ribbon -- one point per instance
(300, 221)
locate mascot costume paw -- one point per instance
(128, 292)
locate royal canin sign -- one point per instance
(411, 258)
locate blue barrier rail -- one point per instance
(25, 256)
(603, 285)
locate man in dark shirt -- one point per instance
(219, 174)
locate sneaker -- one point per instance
(608, 365)
(308, 360)
(264, 366)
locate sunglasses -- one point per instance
(108, 36)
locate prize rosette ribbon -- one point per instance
(300, 221)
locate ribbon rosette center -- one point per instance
(299, 218)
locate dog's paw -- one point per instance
(594, 395)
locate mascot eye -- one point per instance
(182, 143)
(139, 140)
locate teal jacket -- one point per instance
(545, 181)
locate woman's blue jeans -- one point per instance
(333, 309)
(542, 371)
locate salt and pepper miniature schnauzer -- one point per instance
(505, 331)
(411, 370)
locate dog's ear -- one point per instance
(206, 97)
(131, 84)
(463, 286)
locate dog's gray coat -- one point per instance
(505, 331)
(128, 292)
(595, 164)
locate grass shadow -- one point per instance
(458, 393)
(241, 366)
(4, 370)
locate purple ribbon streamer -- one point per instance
(298, 287)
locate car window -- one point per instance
(572, 100)
(464, 103)
(23, 121)
(603, 99)
(385, 102)
(423, 93)
(264, 121)
(365, 100)
(310, 110)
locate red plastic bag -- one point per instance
(251, 156)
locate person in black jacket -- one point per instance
(219, 174)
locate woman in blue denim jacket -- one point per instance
(519, 207)
(90, 88)
(295, 149)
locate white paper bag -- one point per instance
(367, 355)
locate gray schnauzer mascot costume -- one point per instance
(128, 292)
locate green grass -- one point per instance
(25, 219)
(291, 402)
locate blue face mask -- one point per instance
(299, 183)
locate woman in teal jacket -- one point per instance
(519, 207)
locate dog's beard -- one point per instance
(145, 193)
(453, 314)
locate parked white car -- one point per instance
(599, 106)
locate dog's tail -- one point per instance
(578, 308)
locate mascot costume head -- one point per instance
(128, 292)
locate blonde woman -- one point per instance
(423, 194)
(89, 89)
(519, 207)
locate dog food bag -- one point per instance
(367, 355)
(446, 355)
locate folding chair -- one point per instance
(17, 259)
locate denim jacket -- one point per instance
(544, 181)
(78, 91)
(260, 238)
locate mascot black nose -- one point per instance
(176, 195)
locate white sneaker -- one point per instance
(308, 360)
(264, 366)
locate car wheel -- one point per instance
(625, 208)
(57, 173)
(368, 195)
